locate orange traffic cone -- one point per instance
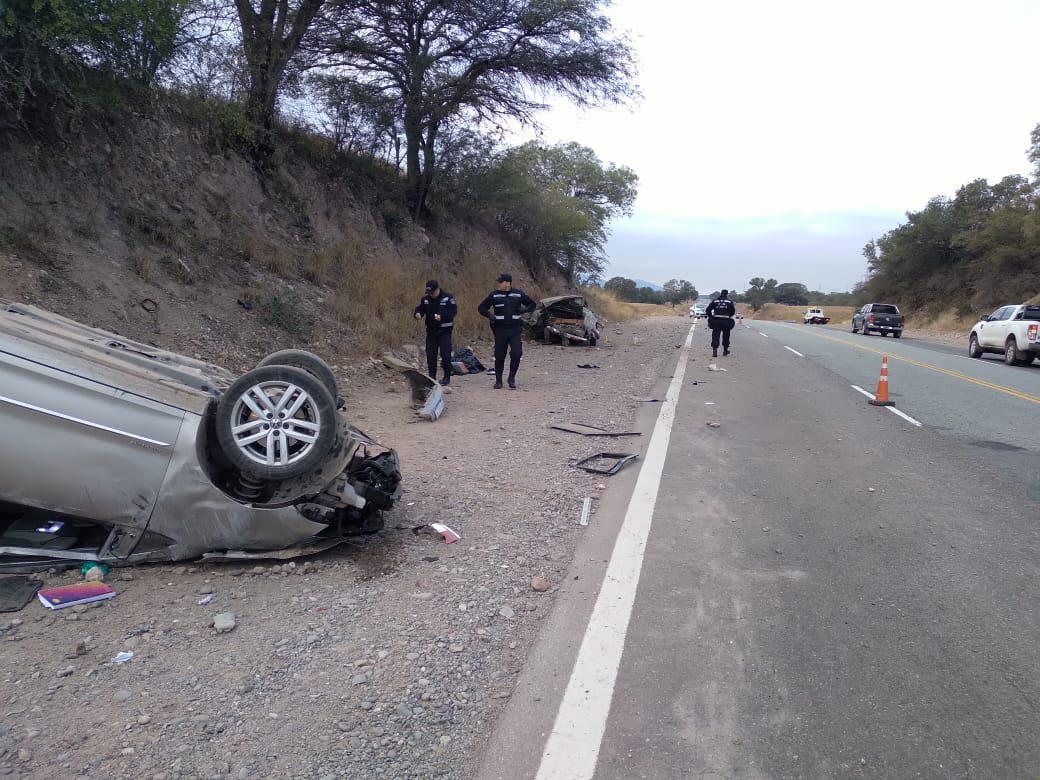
(881, 396)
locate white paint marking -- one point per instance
(795, 351)
(760, 333)
(905, 416)
(892, 409)
(573, 746)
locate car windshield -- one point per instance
(884, 308)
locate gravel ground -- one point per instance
(388, 658)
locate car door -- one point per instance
(994, 331)
(73, 445)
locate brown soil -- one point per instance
(389, 658)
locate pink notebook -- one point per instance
(77, 593)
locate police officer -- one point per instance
(721, 319)
(505, 308)
(439, 309)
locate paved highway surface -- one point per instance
(817, 587)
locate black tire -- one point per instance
(864, 331)
(897, 334)
(854, 328)
(592, 340)
(308, 361)
(318, 410)
(974, 350)
(1011, 354)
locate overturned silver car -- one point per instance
(565, 319)
(115, 451)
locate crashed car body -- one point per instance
(565, 319)
(114, 451)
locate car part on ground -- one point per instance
(427, 393)
(591, 430)
(615, 460)
(1013, 330)
(565, 319)
(116, 451)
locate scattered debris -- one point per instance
(587, 365)
(74, 595)
(205, 600)
(16, 592)
(224, 622)
(586, 511)
(465, 361)
(427, 393)
(149, 305)
(93, 571)
(713, 367)
(539, 584)
(621, 459)
(591, 430)
(449, 536)
(650, 400)
(713, 425)
(122, 657)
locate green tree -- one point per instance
(440, 60)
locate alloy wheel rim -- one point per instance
(275, 423)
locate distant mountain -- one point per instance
(644, 283)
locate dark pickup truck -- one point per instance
(881, 317)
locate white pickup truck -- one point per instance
(1011, 330)
(815, 317)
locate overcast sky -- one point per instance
(776, 138)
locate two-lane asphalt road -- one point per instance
(981, 403)
(799, 584)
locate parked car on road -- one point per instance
(116, 451)
(883, 318)
(696, 311)
(815, 317)
(1011, 331)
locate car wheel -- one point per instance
(276, 422)
(897, 334)
(1011, 354)
(865, 331)
(854, 328)
(308, 361)
(974, 350)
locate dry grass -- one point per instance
(658, 310)
(607, 305)
(944, 322)
(776, 312)
(376, 300)
(255, 249)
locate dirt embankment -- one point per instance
(149, 225)
(777, 312)
(387, 659)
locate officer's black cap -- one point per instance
(432, 285)
(505, 278)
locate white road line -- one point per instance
(760, 333)
(892, 409)
(905, 416)
(573, 746)
(795, 351)
(861, 390)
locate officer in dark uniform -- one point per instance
(505, 308)
(439, 309)
(721, 319)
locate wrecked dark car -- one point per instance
(115, 451)
(565, 319)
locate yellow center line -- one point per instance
(938, 369)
